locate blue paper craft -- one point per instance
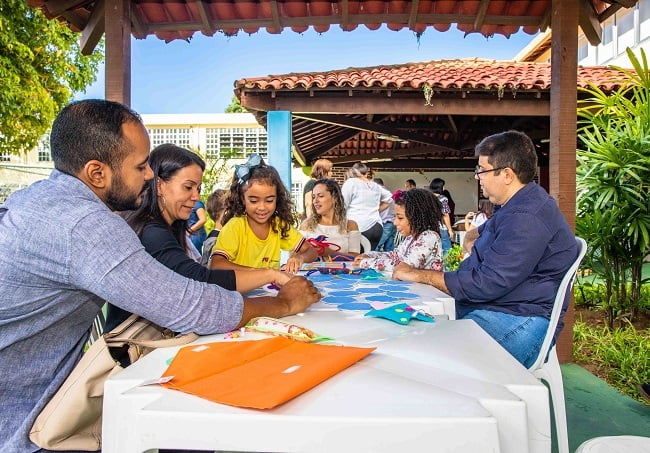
(381, 298)
(402, 295)
(336, 300)
(343, 293)
(356, 306)
(400, 313)
(369, 290)
(394, 287)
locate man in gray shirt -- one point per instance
(63, 252)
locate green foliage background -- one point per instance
(613, 180)
(41, 67)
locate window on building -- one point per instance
(583, 52)
(235, 142)
(296, 196)
(43, 149)
(5, 157)
(178, 136)
(606, 47)
(644, 19)
(625, 30)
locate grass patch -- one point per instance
(619, 356)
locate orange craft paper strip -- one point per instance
(260, 374)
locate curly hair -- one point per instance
(282, 219)
(339, 207)
(422, 209)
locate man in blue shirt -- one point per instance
(518, 258)
(63, 253)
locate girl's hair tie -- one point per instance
(243, 171)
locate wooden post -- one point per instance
(118, 51)
(563, 139)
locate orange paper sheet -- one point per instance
(260, 374)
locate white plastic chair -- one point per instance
(365, 244)
(615, 444)
(548, 369)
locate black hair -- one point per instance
(511, 149)
(423, 210)
(165, 161)
(91, 130)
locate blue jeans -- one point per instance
(521, 336)
(446, 241)
(387, 241)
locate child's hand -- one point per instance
(358, 258)
(293, 264)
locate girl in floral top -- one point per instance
(417, 217)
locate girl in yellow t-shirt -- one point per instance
(258, 223)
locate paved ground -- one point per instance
(595, 409)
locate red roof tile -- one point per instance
(466, 74)
(176, 19)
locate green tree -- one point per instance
(41, 67)
(613, 179)
(235, 106)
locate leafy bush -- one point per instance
(453, 258)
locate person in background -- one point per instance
(364, 199)
(508, 283)
(450, 201)
(53, 285)
(258, 223)
(215, 205)
(196, 224)
(387, 241)
(322, 168)
(417, 218)
(478, 218)
(436, 186)
(328, 219)
(409, 184)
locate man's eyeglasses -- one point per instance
(478, 171)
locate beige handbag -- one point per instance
(72, 420)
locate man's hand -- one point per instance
(297, 295)
(404, 271)
(471, 236)
(280, 278)
(408, 273)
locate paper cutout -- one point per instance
(355, 306)
(381, 298)
(400, 313)
(259, 374)
(402, 295)
(336, 300)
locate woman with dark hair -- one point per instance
(161, 224)
(417, 218)
(364, 199)
(328, 219)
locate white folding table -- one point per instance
(443, 386)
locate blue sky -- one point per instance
(198, 77)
